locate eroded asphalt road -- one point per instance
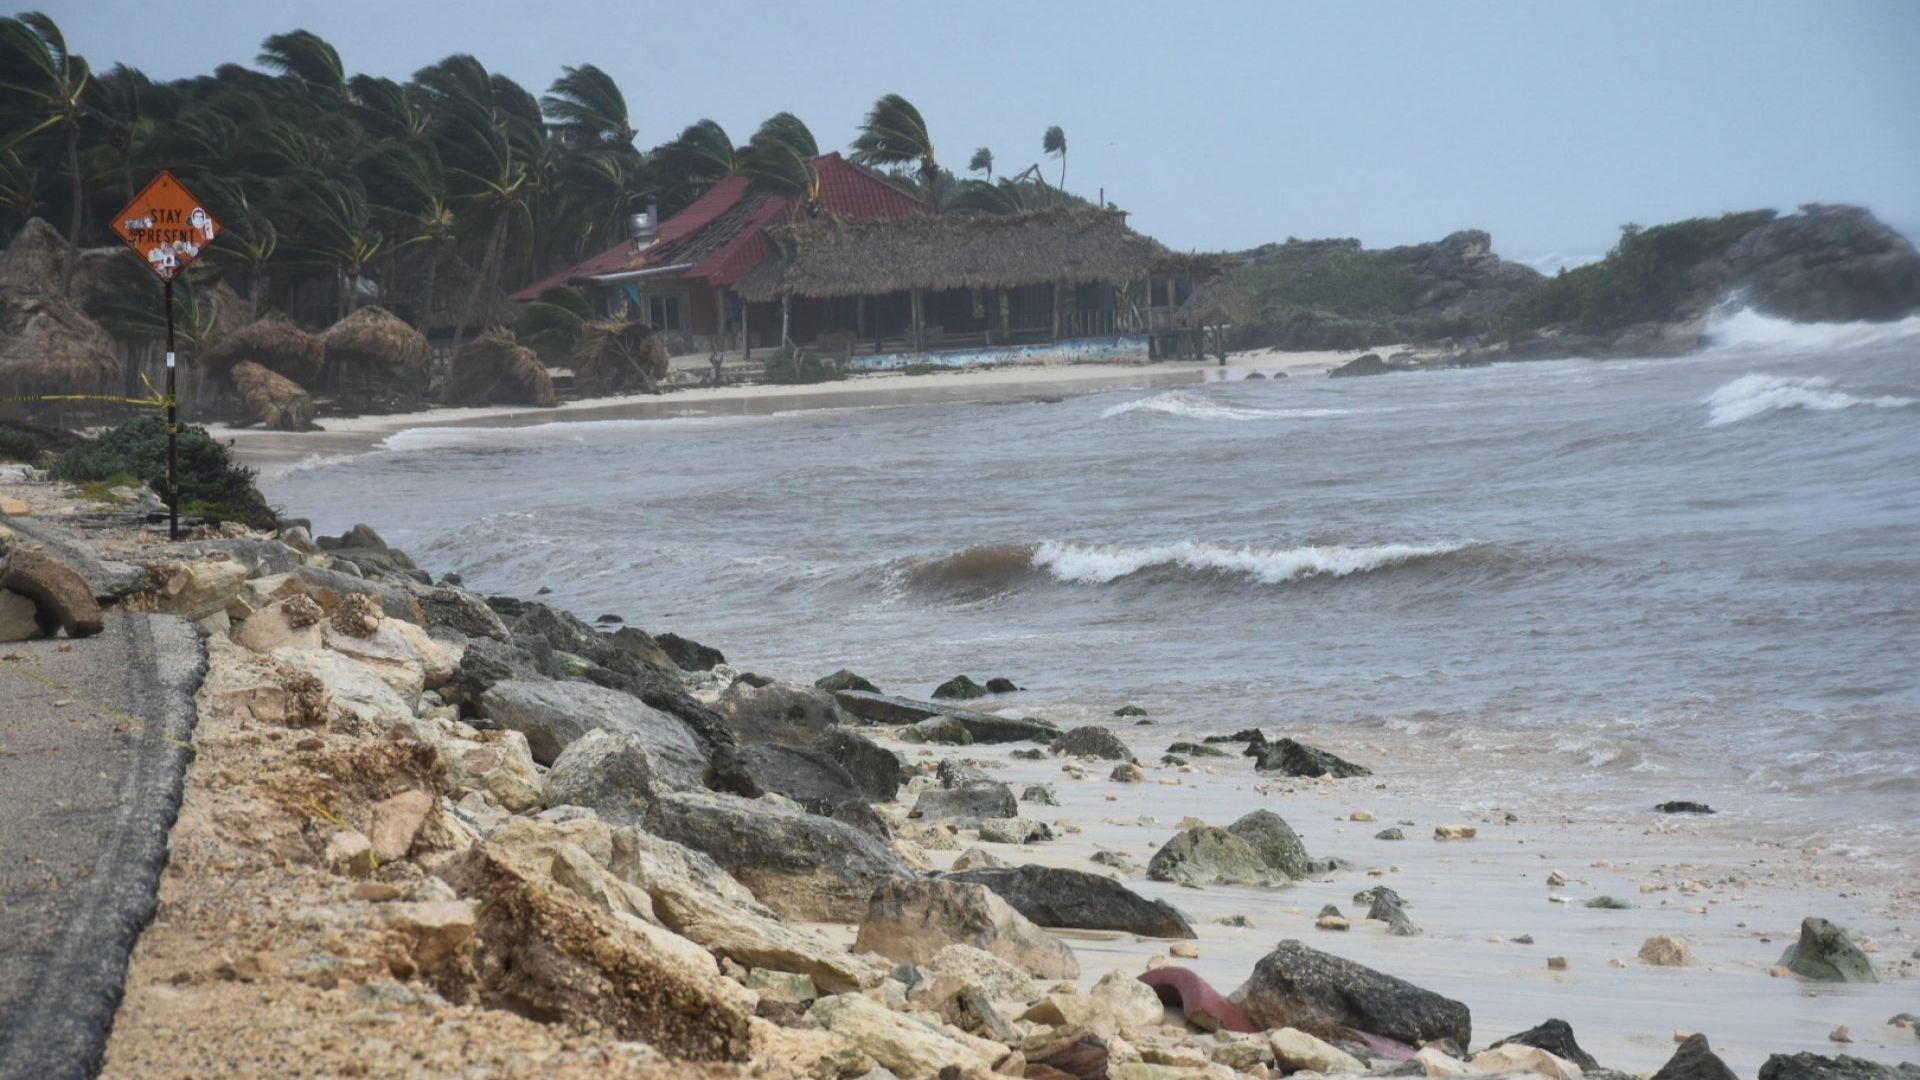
(94, 743)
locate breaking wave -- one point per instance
(1194, 407)
(1747, 329)
(1756, 395)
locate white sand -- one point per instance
(277, 451)
(1466, 893)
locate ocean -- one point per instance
(1590, 585)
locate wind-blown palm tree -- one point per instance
(982, 162)
(698, 158)
(52, 89)
(339, 233)
(586, 102)
(387, 108)
(304, 55)
(408, 188)
(779, 159)
(1054, 142)
(894, 134)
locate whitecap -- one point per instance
(1096, 564)
(1194, 407)
(1756, 395)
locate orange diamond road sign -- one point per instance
(166, 226)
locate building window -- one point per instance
(664, 312)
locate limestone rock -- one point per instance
(1211, 856)
(1519, 1057)
(1825, 952)
(1058, 897)
(1296, 986)
(1013, 830)
(610, 772)
(292, 622)
(998, 979)
(61, 598)
(801, 865)
(901, 1042)
(1455, 832)
(198, 589)
(777, 712)
(912, 920)
(1118, 1002)
(352, 685)
(988, 799)
(553, 714)
(19, 617)
(1295, 1050)
(976, 859)
(1664, 951)
(397, 819)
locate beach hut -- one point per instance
(374, 354)
(48, 346)
(1213, 307)
(275, 344)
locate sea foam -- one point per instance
(1194, 407)
(1756, 395)
(1748, 330)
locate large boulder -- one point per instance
(1299, 759)
(1055, 896)
(61, 598)
(845, 680)
(1296, 986)
(808, 777)
(1370, 364)
(609, 772)
(1694, 1060)
(1278, 846)
(1092, 741)
(980, 799)
(911, 919)
(984, 727)
(777, 712)
(1842, 1067)
(690, 655)
(1826, 264)
(1826, 953)
(875, 768)
(801, 865)
(553, 714)
(698, 900)
(1210, 856)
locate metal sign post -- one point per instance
(166, 226)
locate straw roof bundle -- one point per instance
(493, 370)
(48, 346)
(613, 357)
(37, 260)
(373, 339)
(1214, 303)
(274, 344)
(275, 400)
(833, 256)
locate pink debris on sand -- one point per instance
(1203, 1005)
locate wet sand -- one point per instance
(1735, 899)
(274, 452)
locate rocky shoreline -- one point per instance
(430, 831)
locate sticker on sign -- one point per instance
(167, 226)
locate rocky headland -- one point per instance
(429, 831)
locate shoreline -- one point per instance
(277, 452)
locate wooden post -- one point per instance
(859, 317)
(786, 320)
(919, 336)
(1056, 310)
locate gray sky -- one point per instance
(1221, 124)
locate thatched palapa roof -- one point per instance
(1214, 303)
(49, 346)
(275, 344)
(37, 260)
(833, 256)
(373, 338)
(616, 357)
(493, 370)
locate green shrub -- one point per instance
(803, 367)
(16, 445)
(1333, 276)
(211, 485)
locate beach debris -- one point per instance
(61, 598)
(1455, 832)
(1204, 1007)
(1556, 963)
(1840, 1034)
(1665, 951)
(1825, 953)
(1683, 806)
(959, 688)
(1091, 741)
(1298, 759)
(493, 369)
(1127, 773)
(1184, 950)
(1556, 879)
(1362, 815)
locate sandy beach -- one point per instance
(276, 451)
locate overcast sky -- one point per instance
(1220, 124)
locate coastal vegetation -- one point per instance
(212, 486)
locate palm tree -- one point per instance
(305, 56)
(894, 135)
(585, 101)
(408, 187)
(339, 234)
(1054, 142)
(779, 159)
(387, 108)
(554, 324)
(51, 86)
(119, 99)
(699, 157)
(982, 162)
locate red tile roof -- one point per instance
(721, 231)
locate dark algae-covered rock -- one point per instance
(690, 655)
(1370, 364)
(1556, 1038)
(1001, 685)
(981, 727)
(1683, 806)
(1694, 1060)
(958, 688)
(1319, 993)
(1299, 759)
(1825, 953)
(845, 680)
(1054, 896)
(1196, 750)
(811, 778)
(981, 799)
(1092, 741)
(875, 768)
(1840, 1067)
